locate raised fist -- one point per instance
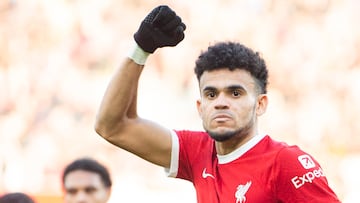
(161, 27)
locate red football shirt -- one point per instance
(260, 171)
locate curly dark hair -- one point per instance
(233, 56)
(91, 165)
(16, 197)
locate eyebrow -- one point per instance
(236, 87)
(209, 88)
(76, 188)
(231, 87)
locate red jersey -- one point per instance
(260, 171)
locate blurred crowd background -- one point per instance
(57, 57)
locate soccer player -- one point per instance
(85, 180)
(16, 197)
(230, 162)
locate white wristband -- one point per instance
(138, 55)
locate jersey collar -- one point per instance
(224, 159)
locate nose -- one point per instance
(81, 197)
(221, 102)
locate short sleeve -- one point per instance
(174, 164)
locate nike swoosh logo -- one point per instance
(205, 175)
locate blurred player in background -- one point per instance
(86, 181)
(230, 161)
(16, 197)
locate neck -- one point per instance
(228, 146)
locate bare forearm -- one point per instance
(117, 119)
(119, 101)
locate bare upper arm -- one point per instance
(143, 138)
(118, 122)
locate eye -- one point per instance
(90, 190)
(71, 191)
(210, 94)
(236, 93)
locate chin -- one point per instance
(222, 134)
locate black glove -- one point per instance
(161, 27)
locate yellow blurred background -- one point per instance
(57, 56)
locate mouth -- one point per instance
(222, 118)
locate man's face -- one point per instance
(85, 187)
(229, 103)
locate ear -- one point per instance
(262, 103)
(108, 193)
(198, 106)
